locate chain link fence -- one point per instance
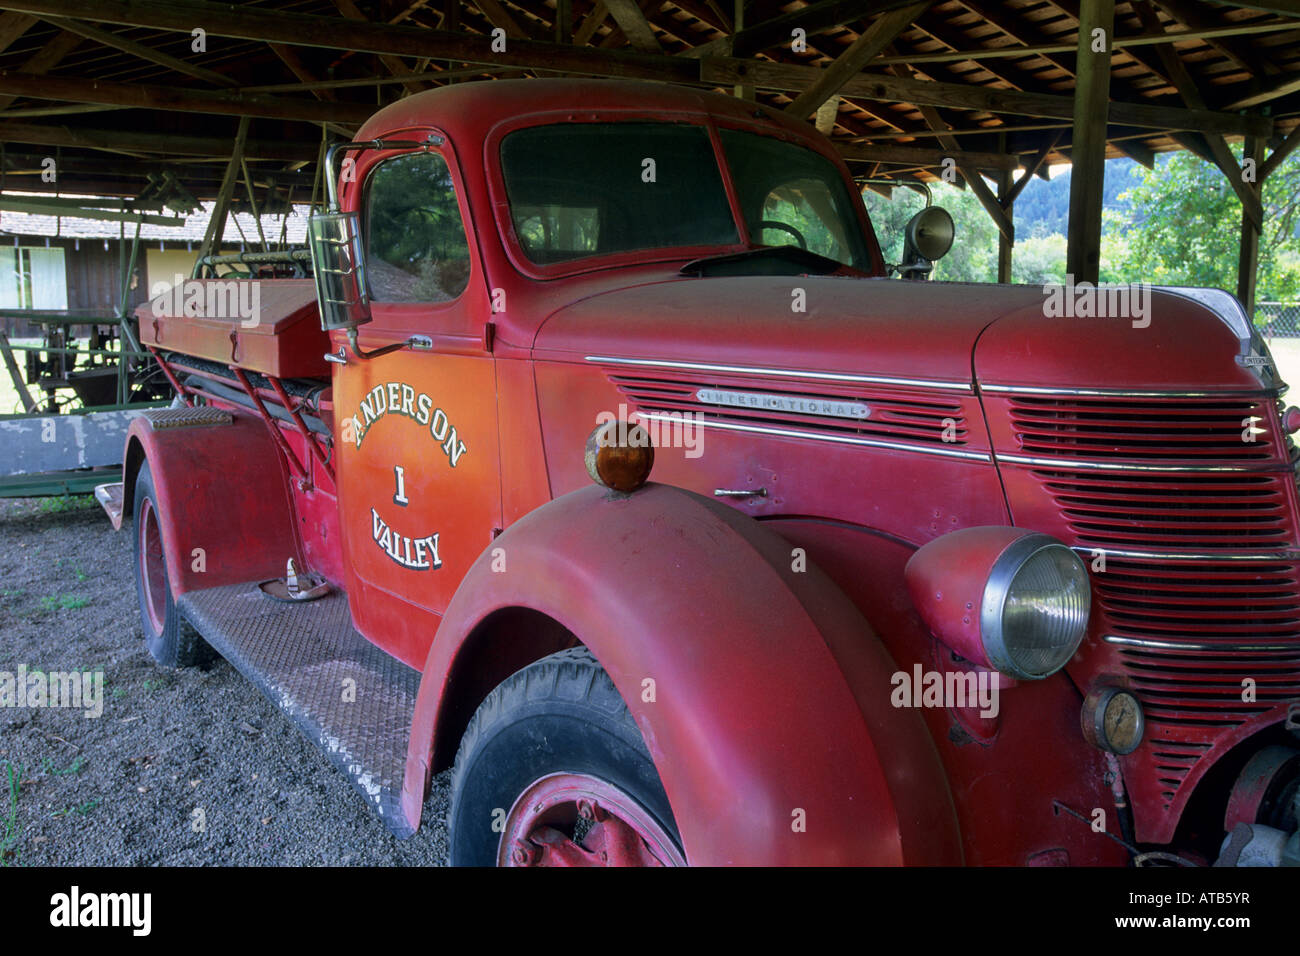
(1278, 319)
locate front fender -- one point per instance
(770, 724)
(221, 490)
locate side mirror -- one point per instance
(339, 268)
(927, 238)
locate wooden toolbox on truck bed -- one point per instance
(270, 326)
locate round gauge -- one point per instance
(1112, 720)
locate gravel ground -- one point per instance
(122, 789)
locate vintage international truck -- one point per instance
(873, 571)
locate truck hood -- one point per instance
(860, 326)
(922, 331)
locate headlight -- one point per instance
(1035, 609)
(1005, 598)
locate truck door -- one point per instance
(418, 469)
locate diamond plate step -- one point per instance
(299, 656)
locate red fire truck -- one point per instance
(872, 571)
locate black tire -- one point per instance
(561, 714)
(175, 643)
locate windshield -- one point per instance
(793, 196)
(593, 189)
(579, 190)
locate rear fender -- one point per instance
(770, 721)
(224, 507)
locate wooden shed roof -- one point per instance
(119, 93)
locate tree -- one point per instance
(1186, 225)
(974, 254)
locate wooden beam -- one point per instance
(564, 21)
(1088, 154)
(1128, 44)
(970, 176)
(827, 115)
(214, 234)
(264, 25)
(150, 96)
(1279, 155)
(268, 26)
(812, 19)
(20, 386)
(1137, 152)
(46, 59)
(916, 156)
(499, 17)
(1248, 252)
(849, 63)
(105, 38)
(591, 23)
(1194, 16)
(1031, 169)
(299, 69)
(51, 207)
(1220, 153)
(1284, 8)
(793, 78)
(1007, 200)
(1276, 90)
(627, 14)
(117, 140)
(12, 26)
(392, 64)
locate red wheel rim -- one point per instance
(541, 828)
(153, 570)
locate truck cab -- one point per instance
(603, 463)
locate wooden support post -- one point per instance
(29, 403)
(564, 21)
(216, 225)
(1248, 255)
(742, 91)
(1088, 153)
(1006, 199)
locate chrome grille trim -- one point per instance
(1066, 464)
(784, 373)
(1195, 646)
(1126, 393)
(1274, 556)
(816, 436)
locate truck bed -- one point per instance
(270, 326)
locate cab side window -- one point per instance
(416, 249)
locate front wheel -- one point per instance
(170, 639)
(552, 771)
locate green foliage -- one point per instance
(974, 255)
(1186, 227)
(1176, 224)
(416, 242)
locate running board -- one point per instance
(349, 697)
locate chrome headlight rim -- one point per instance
(998, 589)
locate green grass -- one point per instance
(9, 838)
(68, 503)
(67, 602)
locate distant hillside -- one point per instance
(1044, 207)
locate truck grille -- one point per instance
(922, 420)
(1129, 429)
(1201, 587)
